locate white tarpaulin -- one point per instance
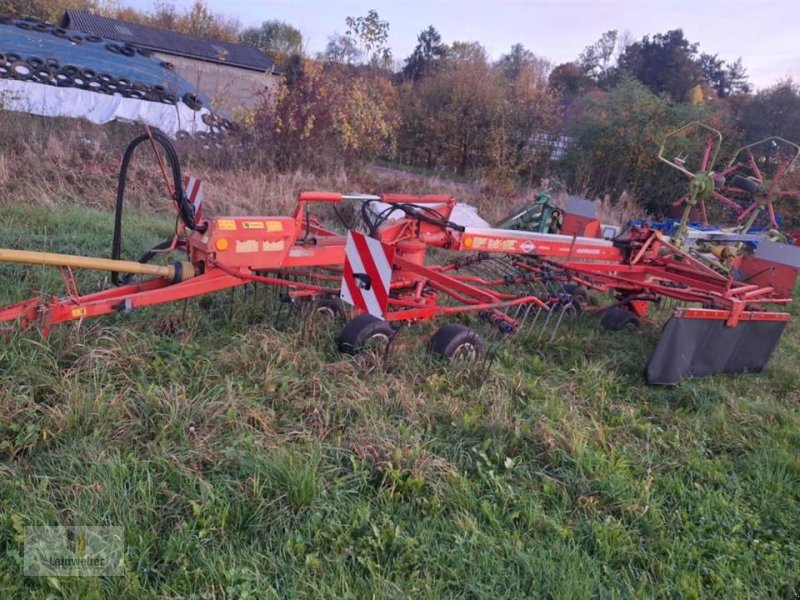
(463, 214)
(51, 101)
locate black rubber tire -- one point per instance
(61, 33)
(159, 88)
(35, 62)
(577, 291)
(328, 307)
(3, 59)
(5, 71)
(64, 80)
(357, 334)
(78, 40)
(617, 319)
(79, 82)
(12, 57)
(745, 184)
(152, 96)
(24, 25)
(140, 87)
(52, 64)
(144, 52)
(93, 38)
(113, 48)
(128, 51)
(135, 94)
(94, 86)
(21, 70)
(123, 83)
(44, 76)
(88, 74)
(70, 70)
(42, 27)
(192, 101)
(105, 78)
(170, 99)
(168, 65)
(453, 339)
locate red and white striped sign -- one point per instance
(367, 274)
(193, 188)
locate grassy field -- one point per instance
(246, 460)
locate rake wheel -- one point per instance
(362, 332)
(457, 342)
(329, 309)
(618, 319)
(764, 172)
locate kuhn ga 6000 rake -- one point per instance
(402, 271)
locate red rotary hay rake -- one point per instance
(422, 266)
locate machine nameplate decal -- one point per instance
(246, 246)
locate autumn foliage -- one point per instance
(329, 116)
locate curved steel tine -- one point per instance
(387, 352)
(558, 322)
(544, 324)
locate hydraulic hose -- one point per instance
(185, 208)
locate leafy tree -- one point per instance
(467, 52)
(341, 49)
(527, 109)
(328, 117)
(773, 111)
(446, 116)
(427, 56)
(520, 60)
(370, 34)
(276, 39)
(725, 78)
(472, 116)
(615, 142)
(595, 60)
(569, 80)
(48, 10)
(666, 64)
(200, 21)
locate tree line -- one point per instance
(449, 107)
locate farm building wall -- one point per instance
(229, 88)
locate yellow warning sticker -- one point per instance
(253, 224)
(227, 224)
(274, 226)
(78, 312)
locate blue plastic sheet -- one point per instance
(95, 56)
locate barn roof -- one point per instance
(169, 42)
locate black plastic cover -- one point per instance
(700, 347)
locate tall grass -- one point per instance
(249, 461)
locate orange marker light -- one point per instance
(221, 244)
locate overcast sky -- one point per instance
(765, 33)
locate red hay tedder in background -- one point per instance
(422, 266)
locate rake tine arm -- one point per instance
(212, 281)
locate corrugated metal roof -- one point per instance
(169, 42)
